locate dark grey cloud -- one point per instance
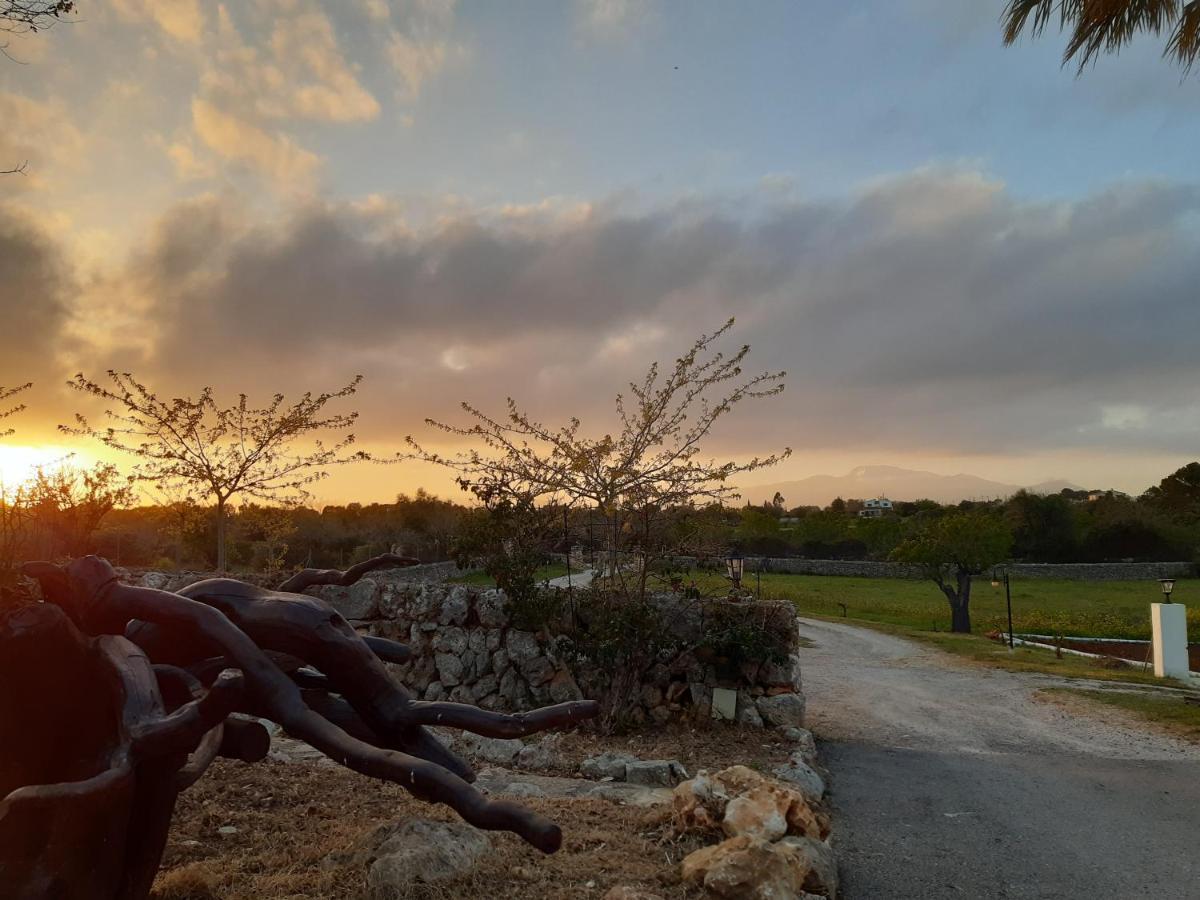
(931, 311)
(34, 284)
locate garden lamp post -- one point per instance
(734, 564)
(1168, 585)
(996, 581)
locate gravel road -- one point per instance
(949, 780)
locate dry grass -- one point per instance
(295, 822)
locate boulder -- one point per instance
(820, 861)
(435, 691)
(782, 710)
(418, 852)
(801, 775)
(746, 868)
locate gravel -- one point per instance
(953, 780)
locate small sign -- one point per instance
(724, 704)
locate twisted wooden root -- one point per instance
(381, 733)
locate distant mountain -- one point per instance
(895, 484)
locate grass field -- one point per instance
(1118, 609)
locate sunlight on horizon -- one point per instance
(19, 463)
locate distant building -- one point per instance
(873, 509)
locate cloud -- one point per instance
(39, 135)
(929, 311)
(182, 20)
(273, 154)
(298, 72)
(35, 283)
(415, 61)
(612, 18)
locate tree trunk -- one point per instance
(960, 619)
(220, 535)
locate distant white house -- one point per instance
(872, 509)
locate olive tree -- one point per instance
(221, 452)
(953, 549)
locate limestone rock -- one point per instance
(435, 691)
(798, 773)
(607, 765)
(746, 868)
(455, 606)
(418, 852)
(563, 688)
(704, 803)
(782, 710)
(820, 861)
(537, 671)
(359, 601)
(449, 668)
(451, 639)
(522, 646)
(806, 745)
(625, 892)
(541, 754)
(500, 751)
(758, 813)
(491, 607)
(747, 713)
(655, 772)
(156, 580)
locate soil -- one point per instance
(1132, 650)
(290, 818)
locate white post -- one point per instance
(1168, 623)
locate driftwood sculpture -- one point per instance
(120, 696)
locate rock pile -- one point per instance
(775, 839)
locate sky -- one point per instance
(966, 257)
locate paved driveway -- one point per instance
(954, 781)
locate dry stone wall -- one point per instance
(466, 649)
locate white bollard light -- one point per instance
(1168, 624)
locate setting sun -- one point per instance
(17, 463)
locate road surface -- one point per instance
(953, 781)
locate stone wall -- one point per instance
(173, 581)
(1071, 571)
(467, 650)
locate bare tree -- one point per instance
(21, 16)
(6, 394)
(222, 452)
(652, 464)
(67, 505)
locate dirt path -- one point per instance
(951, 780)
